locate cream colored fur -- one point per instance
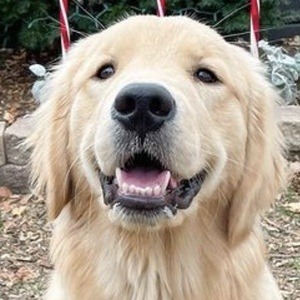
(215, 248)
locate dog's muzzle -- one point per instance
(143, 183)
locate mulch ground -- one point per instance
(282, 234)
(24, 240)
(16, 81)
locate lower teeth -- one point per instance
(133, 190)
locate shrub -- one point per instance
(26, 24)
(33, 23)
(283, 70)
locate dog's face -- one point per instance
(150, 115)
(158, 112)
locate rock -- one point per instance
(289, 123)
(16, 178)
(14, 136)
(2, 149)
(5, 192)
(294, 167)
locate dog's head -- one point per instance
(154, 117)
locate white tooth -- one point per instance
(173, 183)
(132, 189)
(167, 180)
(116, 205)
(143, 192)
(124, 187)
(157, 190)
(118, 176)
(168, 212)
(148, 191)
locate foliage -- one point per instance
(33, 23)
(282, 69)
(26, 23)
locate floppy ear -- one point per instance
(263, 173)
(50, 167)
(52, 172)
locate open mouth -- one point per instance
(144, 184)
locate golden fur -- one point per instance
(212, 250)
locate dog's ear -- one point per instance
(51, 169)
(263, 173)
(51, 173)
(49, 160)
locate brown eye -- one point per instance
(105, 72)
(206, 76)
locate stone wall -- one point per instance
(289, 122)
(14, 158)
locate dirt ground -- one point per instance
(24, 240)
(282, 234)
(16, 81)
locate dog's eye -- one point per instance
(206, 76)
(105, 72)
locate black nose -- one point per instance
(143, 107)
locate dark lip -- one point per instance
(180, 197)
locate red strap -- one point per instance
(161, 7)
(64, 25)
(255, 18)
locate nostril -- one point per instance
(125, 105)
(143, 107)
(160, 107)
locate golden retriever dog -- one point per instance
(157, 151)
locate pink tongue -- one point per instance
(142, 178)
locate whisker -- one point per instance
(230, 160)
(74, 163)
